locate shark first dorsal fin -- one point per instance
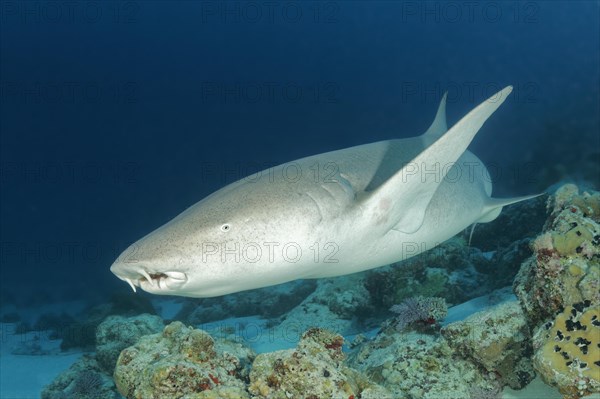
(400, 202)
(439, 125)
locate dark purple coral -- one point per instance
(87, 384)
(483, 393)
(426, 310)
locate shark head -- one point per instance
(238, 238)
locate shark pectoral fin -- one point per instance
(439, 125)
(411, 221)
(493, 206)
(401, 202)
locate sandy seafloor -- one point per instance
(24, 376)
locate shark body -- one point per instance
(325, 215)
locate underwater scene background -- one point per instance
(115, 116)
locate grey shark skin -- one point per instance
(325, 215)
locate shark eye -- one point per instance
(225, 227)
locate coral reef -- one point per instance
(112, 335)
(116, 333)
(336, 305)
(553, 329)
(565, 267)
(494, 255)
(559, 291)
(450, 271)
(267, 302)
(509, 226)
(498, 340)
(182, 362)
(568, 350)
(505, 263)
(83, 380)
(179, 362)
(418, 365)
(313, 370)
(82, 333)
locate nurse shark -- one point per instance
(325, 215)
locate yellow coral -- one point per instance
(575, 270)
(589, 204)
(568, 354)
(567, 243)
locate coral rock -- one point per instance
(568, 350)
(498, 340)
(565, 267)
(417, 365)
(180, 362)
(116, 333)
(313, 370)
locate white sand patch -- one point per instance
(24, 376)
(535, 390)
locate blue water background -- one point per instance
(116, 116)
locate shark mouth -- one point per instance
(156, 282)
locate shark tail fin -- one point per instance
(439, 125)
(493, 206)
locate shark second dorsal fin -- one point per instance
(400, 202)
(493, 206)
(439, 125)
